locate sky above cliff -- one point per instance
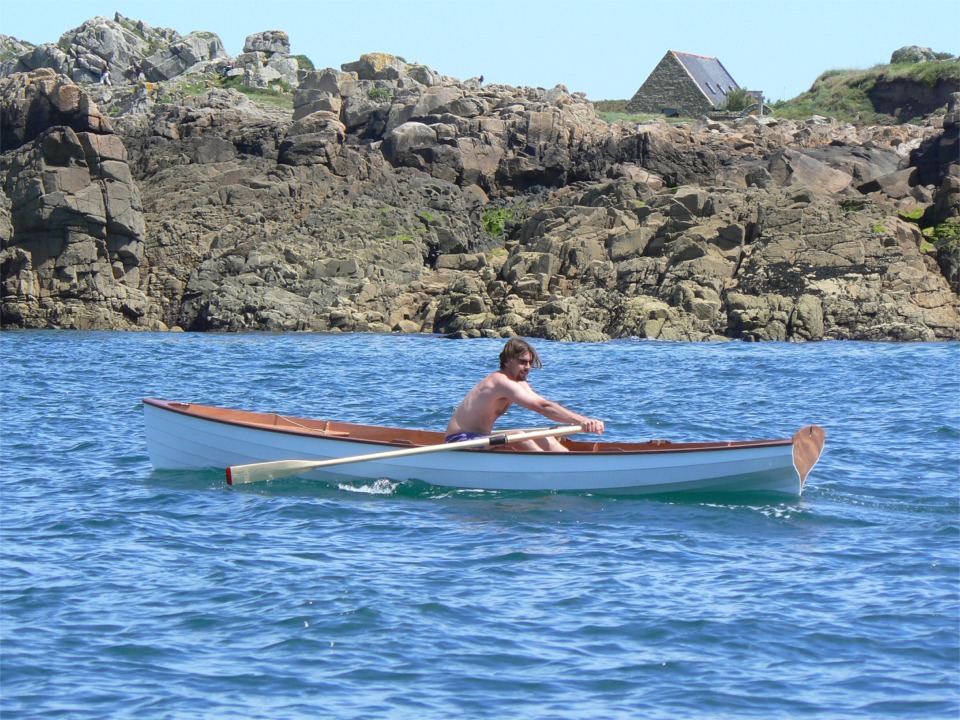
(604, 48)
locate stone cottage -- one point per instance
(684, 84)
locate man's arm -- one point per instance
(523, 395)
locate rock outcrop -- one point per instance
(266, 60)
(122, 45)
(74, 252)
(392, 198)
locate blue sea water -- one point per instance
(133, 593)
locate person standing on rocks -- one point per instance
(105, 75)
(491, 397)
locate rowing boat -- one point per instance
(184, 436)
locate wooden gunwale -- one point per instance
(368, 434)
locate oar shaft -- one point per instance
(274, 470)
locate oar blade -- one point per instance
(261, 472)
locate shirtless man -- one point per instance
(491, 397)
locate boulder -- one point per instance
(363, 101)
(376, 66)
(790, 167)
(912, 54)
(896, 185)
(182, 55)
(410, 145)
(268, 41)
(316, 138)
(47, 55)
(11, 49)
(318, 92)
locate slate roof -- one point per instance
(710, 74)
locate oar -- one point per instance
(256, 472)
(506, 431)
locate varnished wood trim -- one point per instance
(807, 446)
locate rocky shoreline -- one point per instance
(394, 199)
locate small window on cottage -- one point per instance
(708, 87)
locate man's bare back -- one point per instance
(482, 406)
(493, 395)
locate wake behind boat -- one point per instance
(189, 436)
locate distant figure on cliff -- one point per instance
(481, 79)
(433, 254)
(105, 75)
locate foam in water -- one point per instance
(381, 486)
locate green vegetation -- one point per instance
(737, 100)
(275, 97)
(612, 110)
(879, 229)
(192, 89)
(928, 73)
(379, 93)
(852, 205)
(495, 222)
(844, 94)
(279, 95)
(945, 236)
(942, 238)
(303, 62)
(841, 94)
(913, 215)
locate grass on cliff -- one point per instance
(844, 94)
(276, 96)
(612, 110)
(279, 95)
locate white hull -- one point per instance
(179, 439)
